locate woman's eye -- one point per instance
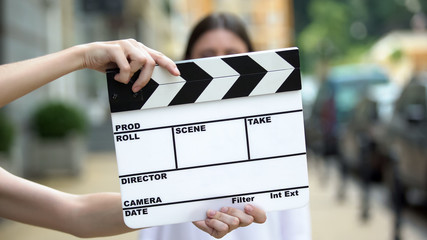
(232, 51)
(208, 54)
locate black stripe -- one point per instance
(248, 149)
(244, 85)
(148, 90)
(244, 65)
(189, 92)
(197, 81)
(292, 83)
(174, 148)
(192, 72)
(291, 56)
(121, 96)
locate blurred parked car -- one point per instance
(310, 86)
(338, 95)
(408, 135)
(363, 142)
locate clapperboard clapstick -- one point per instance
(228, 131)
(210, 79)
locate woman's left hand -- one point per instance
(220, 223)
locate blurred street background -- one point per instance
(364, 72)
(331, 218)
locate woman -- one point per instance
(216, 35)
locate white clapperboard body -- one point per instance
(229, 131)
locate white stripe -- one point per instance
(270, 61)
(216, 67)
(162, 76)
(271, 82)
(217, 88)
(163, 95)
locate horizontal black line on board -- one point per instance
(211, 121)
(218, 197)
(212, 165)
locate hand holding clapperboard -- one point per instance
(227, 132)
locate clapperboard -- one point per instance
(229, 131)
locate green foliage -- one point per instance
(397, 55)
(7, 134)
(58, 119)
(329, 31)
(326, 36)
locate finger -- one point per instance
(141, 57)
(244, 219)
(218, 229)
(212, 227)
(136, 58)
(146, 72)
(163, 61)
(204, 227)
(232, 222)
(119, 57)
(257, 213)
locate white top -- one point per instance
(281, 225)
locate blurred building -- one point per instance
(30, 29)
(403, 53)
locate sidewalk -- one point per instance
(330, 219)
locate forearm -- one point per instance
(32, 203)
(91, 215)
(99, 214)
(18, 79)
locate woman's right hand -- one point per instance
(129, 56)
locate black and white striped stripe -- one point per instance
(211, 79)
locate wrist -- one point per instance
(76, 56)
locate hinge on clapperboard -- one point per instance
(121, 95)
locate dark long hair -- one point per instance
(226, 21)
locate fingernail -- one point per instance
(249, 208)
(116, 77)
(211, 213)
(135, 88)
(224, 209)
(177, 71)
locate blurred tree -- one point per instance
(325, 37)
(301, 14)
(337, 31)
